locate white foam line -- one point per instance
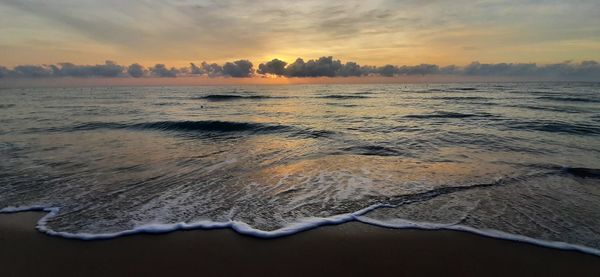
(302, 225)
(405, 224)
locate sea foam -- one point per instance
(291, 229)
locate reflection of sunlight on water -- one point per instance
(374, 175)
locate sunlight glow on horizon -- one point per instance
(375, 32)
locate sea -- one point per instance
(516, 161)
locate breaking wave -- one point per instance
(303, 224)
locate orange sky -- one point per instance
(373, 32)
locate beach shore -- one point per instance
(351, 249)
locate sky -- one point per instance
(369, 32)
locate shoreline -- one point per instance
(351, 248)
(246, 230)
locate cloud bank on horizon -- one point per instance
(322, 67)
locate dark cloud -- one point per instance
(588, 69)
(161, 70)
(387, 70)
(392, 70)
(329, 67)
(32, 71)
(421, 69)
(322, 67)
(213, 69)
(108, 69)
(296, 69)
(195, 70)
(275, 66)
(3, 71)
(503, 69)
(238, 69)
(450, 70)
(585, 69)
(350, 69)
(136, 70)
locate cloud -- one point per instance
(588, 69)
(212, 70)
(275, 67)
(421, 69)
(450, 70)
(585, 69)
(350, 69)
(108, 69)
(194, 69)
(32, 71)
(238, 69)
(393, 70)
(321, 67)
(136, 70)
(387, 70)
(3, 71)
(161, 70)
(329, 67)
(503, 69)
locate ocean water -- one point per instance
(512, 160)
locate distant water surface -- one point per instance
(518, 161)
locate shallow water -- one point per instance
(519, 161)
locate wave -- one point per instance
(185, 126)
(442, 114)
(345, 105)
(167, 104)
(372, 150)
(212, 127)
(407, 224)
(342, 96)
(582, 172)
(309, 133)
(556, 127)
(459, 98)
(568, 99)
(432, 90)
(6, 106)
(464, 89)
(367, 92)
(231, 97)
(313, 222)
(548, 108)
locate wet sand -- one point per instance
(351, 249)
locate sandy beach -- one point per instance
(351, 249)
